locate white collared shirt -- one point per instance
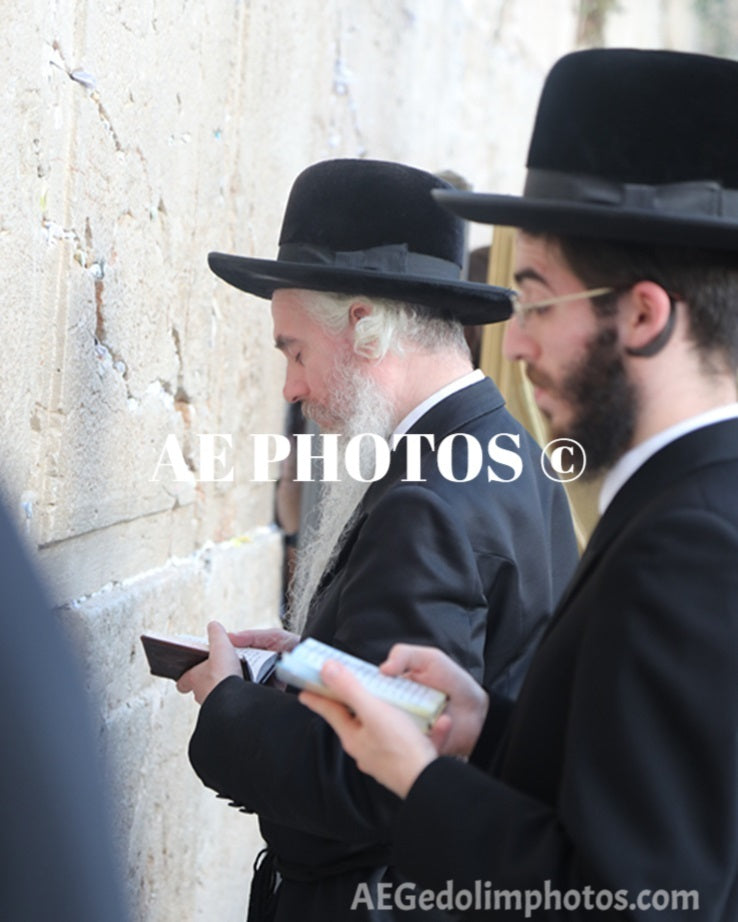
(459, 384)
(632, 460)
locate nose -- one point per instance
(517, 344)
(295, 387)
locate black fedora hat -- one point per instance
(369, 227)
(628, 145)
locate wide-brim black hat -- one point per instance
(628, 145)
(370, 227)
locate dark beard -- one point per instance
(604, 401)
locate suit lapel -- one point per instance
(340, 560)
(709, 445)
(450, 415)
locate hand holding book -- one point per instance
(297, 664)
(302, 668)
(381, 739)
(384, 740)
(171, 656)
(206, 664)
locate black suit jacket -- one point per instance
(619, 764)
(474, 568)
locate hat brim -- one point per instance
(581, 219)
(467, 302)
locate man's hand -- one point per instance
(467, 706)
(221, 663)
(383, 740)
(272, 638)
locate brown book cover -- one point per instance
(170, 656)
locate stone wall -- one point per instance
(138, 136)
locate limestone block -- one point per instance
(168, 826)
(237, 582)
(122, 162)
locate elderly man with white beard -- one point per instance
(368, 308)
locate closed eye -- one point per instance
(289, 347)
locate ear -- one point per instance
(647, 320)
(357, 311)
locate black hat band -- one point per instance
(394, 258)
(702, 197)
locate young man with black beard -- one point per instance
(368, 306)
(610, 787)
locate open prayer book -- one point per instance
(171, 656)
(301, 667)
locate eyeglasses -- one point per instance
(522, 310)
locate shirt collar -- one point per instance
(632, 460)
(459, 384)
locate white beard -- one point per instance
(338, 506)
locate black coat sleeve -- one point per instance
(647, 793)
(413, 578)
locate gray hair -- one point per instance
(396, 326)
